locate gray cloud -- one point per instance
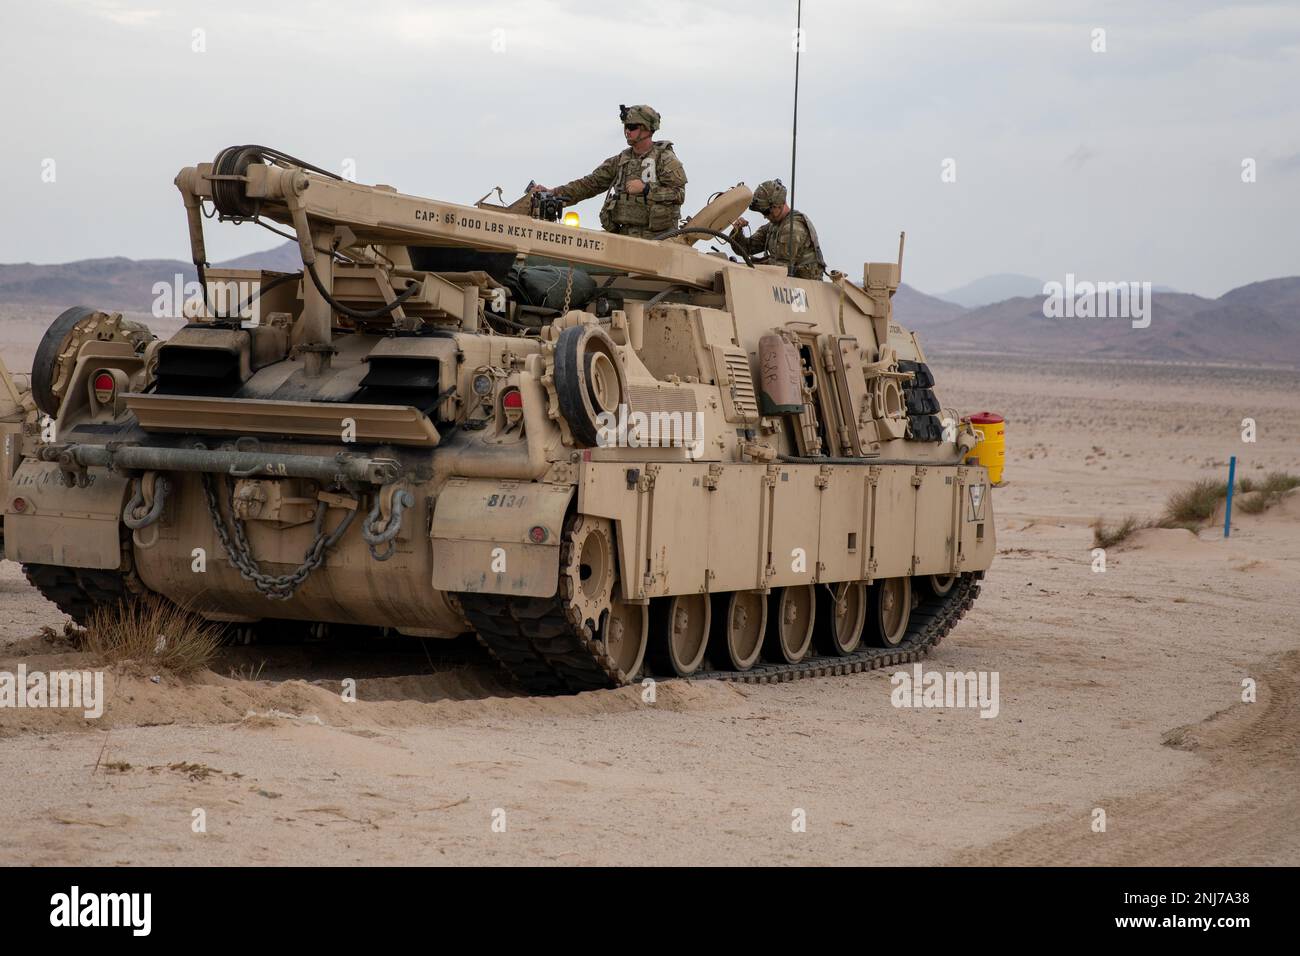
(413, 92)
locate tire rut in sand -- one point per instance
(1240, 807)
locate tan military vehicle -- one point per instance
(606, 456)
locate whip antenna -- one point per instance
(794, 133)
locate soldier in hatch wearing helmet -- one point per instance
(804, 257)
(646, 182)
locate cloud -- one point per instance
(420, 95)
(1079, 158)
(122, 14)
(1288, 163)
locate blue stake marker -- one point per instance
(1227, 510)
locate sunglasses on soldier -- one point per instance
(633, 126)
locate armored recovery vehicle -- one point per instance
(668, 461)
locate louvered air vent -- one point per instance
(739, 400)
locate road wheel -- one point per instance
(792, 613)
(626, 633)
(680, 629)
(739, 627)
(940, 585)
(844, 613)
(890, 609)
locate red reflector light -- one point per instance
(537, 534)
(20, 505)
(512, 399)
(103, 382)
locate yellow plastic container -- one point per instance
(991, 451)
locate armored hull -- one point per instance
(675, 462)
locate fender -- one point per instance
(61, 524)
(484, 539)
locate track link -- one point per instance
(77, 591)
(533, 640)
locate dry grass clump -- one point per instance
(1191, 507)
(1105, 536)
(154, 633)
(1258, 497)
(1194, 505)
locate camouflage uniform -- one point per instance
(659, 206)
(773, 238)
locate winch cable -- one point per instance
(342, 309)
(286, 159)
(263, 288)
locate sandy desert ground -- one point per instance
(1119, 690)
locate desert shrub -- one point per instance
(1192, 506)
(1261, 496)
(152, 632)
(1252, 504)
(1279, 483)
(1105, 536)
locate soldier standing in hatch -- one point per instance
(804, 258)
(646, 182)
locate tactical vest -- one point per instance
(621, 211)
(778, 245)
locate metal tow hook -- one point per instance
(150, 495)
(384, 522)
(146, 506)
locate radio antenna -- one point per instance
(794, 133)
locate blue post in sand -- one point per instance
(1227, 510)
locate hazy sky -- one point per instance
(1116, 165)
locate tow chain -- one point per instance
(568, 292)
(276, 587)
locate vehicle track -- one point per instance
(533, 639)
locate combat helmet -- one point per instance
(648, 116)
(768, 196)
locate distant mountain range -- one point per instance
(994, 288)
(1256, 323)
(119, 283)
